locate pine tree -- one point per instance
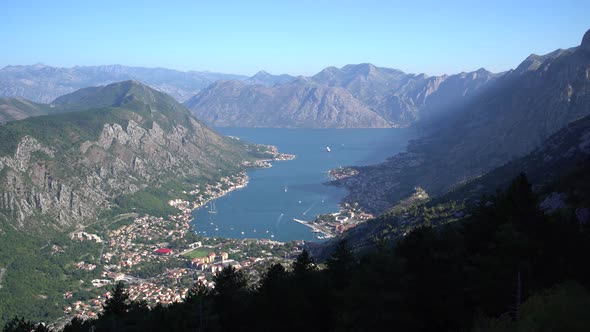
(274, 277)
(230, 281)
(303, 264)
(117, 304)
(19, 325)
(78, 325)
(197, 293)
(231, 298)
(341, 265)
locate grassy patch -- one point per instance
(197, 253)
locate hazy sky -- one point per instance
(294, 37)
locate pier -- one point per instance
(315, 228)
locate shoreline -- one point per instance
(215, 191)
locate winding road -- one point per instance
(2, 271)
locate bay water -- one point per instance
(295, 188)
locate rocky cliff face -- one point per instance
(353, 96)
(297, 104)
(68, 180)
(507, 120)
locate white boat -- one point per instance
(328, 149)
(213, 210)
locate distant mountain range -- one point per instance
(42, 84)
(350, 97)
(511, 117)
(353, 96)
(267, 79)
(296, 104)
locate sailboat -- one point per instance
(212, 210)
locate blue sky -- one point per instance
(297, 37)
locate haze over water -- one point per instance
(295, 189)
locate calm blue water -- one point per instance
(294, 189)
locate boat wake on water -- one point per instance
(279, 220)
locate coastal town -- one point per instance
(161, 258)
(330, 225)
(342, 173)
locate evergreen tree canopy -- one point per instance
(117, 304)
(303, 264)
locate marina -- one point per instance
(316, 229)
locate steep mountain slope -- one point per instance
(63, 169)
(297, 104)
(508, 119)
(404, 98)
(558, 170)
(41, 83)
(17, 108)
(391, 95)
(564, 153)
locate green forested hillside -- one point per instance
(17, 108)
(498, 270)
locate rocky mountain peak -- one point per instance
(586, 41)
(262, 73)
(366, 69)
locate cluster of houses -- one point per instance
(214, 263)
(83, 236)
(155, 293)
(85, 310)
(210, 191)
(85, 266)
(126, 251)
